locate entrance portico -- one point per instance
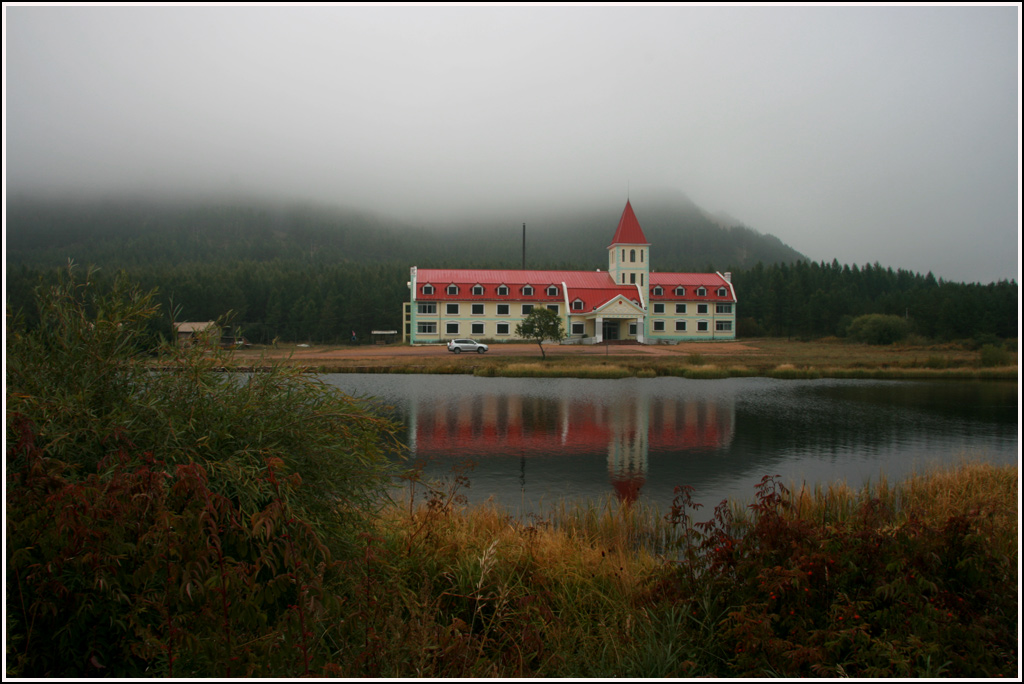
(608, 320)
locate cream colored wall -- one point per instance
(489, 318)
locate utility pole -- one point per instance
(524, 246)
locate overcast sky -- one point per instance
(864, 134)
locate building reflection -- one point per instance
(626, 428)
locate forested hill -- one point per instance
(315, 274)
(137, 233)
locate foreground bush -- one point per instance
(177, 521)
(860, 587)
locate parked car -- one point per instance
(459, 346)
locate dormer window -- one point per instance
(453, 289)
(503, 290)
(577, 305)
(552, 291)
(722, 292)
(527, 290)
(658, 291)
(680, 292)
(428, 289)
(701, 292)
(478, 290)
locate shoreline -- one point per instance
(763, 357)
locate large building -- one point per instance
(627, 302)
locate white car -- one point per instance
(459, 346)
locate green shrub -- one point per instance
(166, 518)
(878, 329)
(992, 355)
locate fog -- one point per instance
(864, 134)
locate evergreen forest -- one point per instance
(301, 272)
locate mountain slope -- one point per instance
(138, 233)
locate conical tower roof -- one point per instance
(629, 231)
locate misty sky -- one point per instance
(864, 134)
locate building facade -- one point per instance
(627, 302)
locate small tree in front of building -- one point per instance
(539, 325)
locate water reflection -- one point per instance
(624, 427)
(538, 442)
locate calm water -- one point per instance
(537, 442)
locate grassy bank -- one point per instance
(914, 579)
(764, 357)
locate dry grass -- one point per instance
(770, 357)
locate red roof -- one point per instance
(711, 282)
(594, 288)
(629, 231)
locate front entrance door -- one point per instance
(610, 329)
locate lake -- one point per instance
(539, 442)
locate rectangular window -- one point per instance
(577, 305)
(553, 307)
(426, 309)
(659, 326)
(659, 308)
(503, 309)
(478, 309)
(527, 308)
(702, 326)
(426, 328)
(478, 290)
(451, 309)
(578, 328)
(632, 329)
(502, 290)
(702, 308)
(453, 289)
(477, 328)
(723, 325)
(723, 308)
(502, 328)
(451, 328)
(680, 308)
(680, 326)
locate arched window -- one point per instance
(632, 256)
